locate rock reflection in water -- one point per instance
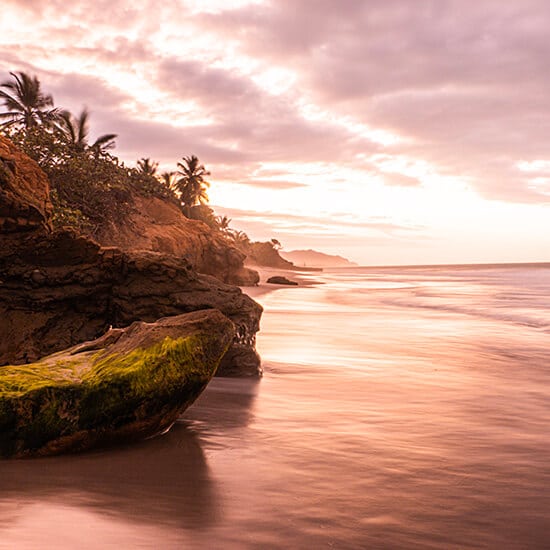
(151, 481)
(156, 489)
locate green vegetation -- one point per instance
(74, 132)
(90, 186)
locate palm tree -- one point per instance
(276, 244)
(167, 179)
(75, 131)
(191, 184)
(147, 167)
(223, 223)
(25, 102)
(240, 240)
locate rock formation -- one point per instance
(58, 288)
(313, 259)
(280, 280)
(24, 191)
(158, 225)
(129, 384)
(264, 254)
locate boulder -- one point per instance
(279, 280)
(127, 385)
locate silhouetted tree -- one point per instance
(241, 241)
(75, 130)
(25, 102)
(147, 167)
(167, 178)
(223, 223)
(276, 244)
(191, 184)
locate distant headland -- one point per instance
(313, 258)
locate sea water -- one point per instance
(399, 408)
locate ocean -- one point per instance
(399, 408)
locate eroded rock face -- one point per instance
(159, 226)
(24, 191)
(127, 385)
(59, 288)
(263, 254)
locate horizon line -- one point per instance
(474, 264)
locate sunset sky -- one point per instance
(387, 131)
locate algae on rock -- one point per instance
(128, 384)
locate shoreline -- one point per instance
(303, 278)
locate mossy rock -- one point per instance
(129, 384)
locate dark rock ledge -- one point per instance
(58, 289)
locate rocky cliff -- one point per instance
(59, 288)
(158, 225)
(312, 258)
(264, 254)
(24, 192)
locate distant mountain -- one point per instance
(312, 258)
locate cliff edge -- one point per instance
(58, 288)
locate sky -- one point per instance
(386, 131)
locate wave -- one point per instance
(515, 318)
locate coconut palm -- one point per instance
(75, 130)
(223, 223)
(167, 179)
(191, 184)
(147, 167)
(240, 240)
(25, 102)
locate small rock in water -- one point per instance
(279, 280)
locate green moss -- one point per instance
(44, 401)
(16, 381)
(140, 382)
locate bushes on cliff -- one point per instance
(90, 187)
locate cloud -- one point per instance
(274, 184)
(267, 126)
(387, 96)
(335, 224)
(465, 83)
(401, 180)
